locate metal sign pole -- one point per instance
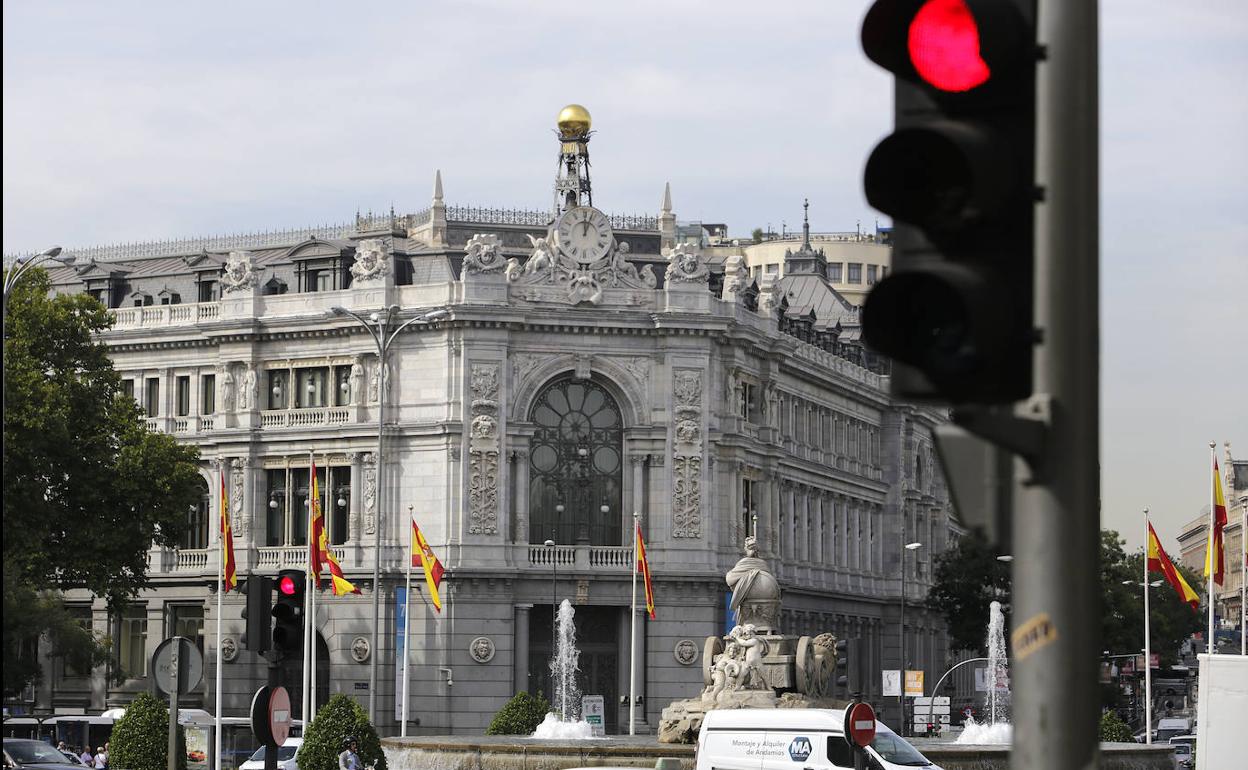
(176, 663)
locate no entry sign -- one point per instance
(859, 724)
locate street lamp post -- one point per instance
(378, 325)
(554, 610)
(1148, 663)
(901, 698)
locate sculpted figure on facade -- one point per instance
(372, 259)
(513, 269)
(484, 254)
(687, 455)
(356, 381)
(684, 265)
(483, 450)
(541, 260)
(239, 274)
(248, 393)
(370, 493)
(227, 389)
(241, 521)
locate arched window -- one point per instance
(575, 462)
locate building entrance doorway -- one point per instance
(598, 639)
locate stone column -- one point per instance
(520, 650)
(522, 496)
(816, 536)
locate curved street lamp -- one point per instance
(378, 325)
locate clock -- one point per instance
(584, 234)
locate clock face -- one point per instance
(584, 233)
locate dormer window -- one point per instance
(208, 289)
(273, 287)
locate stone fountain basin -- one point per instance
(502, 752)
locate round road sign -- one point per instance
(177, 665)
(279, 715)
(859, 724)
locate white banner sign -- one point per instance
(592, 710)
(892, 683)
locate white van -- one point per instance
(794, 739)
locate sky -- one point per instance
(129, 121)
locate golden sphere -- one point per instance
(573, 120)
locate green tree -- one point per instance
(968, 577)
(325, 738)
(87, 488)
(1171, 620)
(519, 716)
(757, 235)
(1114, 730)
(140, 739)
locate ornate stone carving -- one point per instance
(755, 591)
(370, 493)
(584, 282)
(229, 649)
(685, 265)
(379, 381)
(239, 274)
(372, 259)
(357, 383)
(687, 455)
(522, 364)
(686, 652)
(482, 649)
(247, 394)
(513, 269)
(484, 254)
(736, 278)
(240, 520)
(360, 649)
(483, 450)
(227, 389)
(638, 367)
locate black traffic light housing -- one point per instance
(842, 664)
(288, 612)
(958, 177)
(256, 612)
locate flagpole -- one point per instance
(220, 591)
(1148, 658)
(407, 615)
(1210, 647)
(1243, 574)
(305, 696)
(632, 638)
(312, 617)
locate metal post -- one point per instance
(175, 661)
(381, 496)
(901, 693)
(270, 748)
(1057, 518)
(1148, 661)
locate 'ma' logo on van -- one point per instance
(799, 749)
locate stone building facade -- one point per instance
(554, 400)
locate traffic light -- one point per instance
(842, 664)
(256, 612)
(288, 612)
(958, 177)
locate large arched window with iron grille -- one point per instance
(575, 464)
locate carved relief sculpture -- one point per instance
(372, 259)
(227, 389)
(370, 493)
(684, 265)
(357, 383)
(485, 254)
(483, 451)
(687, 455)
(239, 274)
(584, 278)
(239, 520)
(247, 394)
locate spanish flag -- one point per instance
(229, 575)
(319, 552)
(643, 567)
(422, 556)
(1158, 561)
(1215, 554)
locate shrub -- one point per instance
(519, 716)
(1114, 730)
(140, 739)
(323, 739)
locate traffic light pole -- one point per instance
(270, 748)
(1057, 519)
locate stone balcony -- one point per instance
(581, 557)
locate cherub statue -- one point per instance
(754, 647)
(725, 673)
(541, 259)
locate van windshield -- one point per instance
(893, 748)
(284, 753)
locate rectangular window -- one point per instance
(132, 641)
(834, 271)
(98, 294)
(747, 399)
(855, 272)
(342, 385)
(207, 290)
(196, 535)
(340, 504)
(127, 389)
(185, 620)
(288, 523)
(183, 396)
(747, 506)
(151, 398)
(871, 274)
(310, 391)
(207, 394)
(324, 280)
(275, 520)
(81, 614)
(278, 388)
(772, 269)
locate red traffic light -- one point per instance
(287, 585)
(943, 43)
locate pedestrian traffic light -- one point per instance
(958, 177)
(256, 612)
(288, 612)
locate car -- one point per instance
(24, 752)
(72, 757)
(286, 756)
(1184, 756)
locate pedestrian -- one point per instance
(61, 747)
(349, 759)
(101, 759)
(85, 757)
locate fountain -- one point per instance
(564, 721)
(997, 729)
